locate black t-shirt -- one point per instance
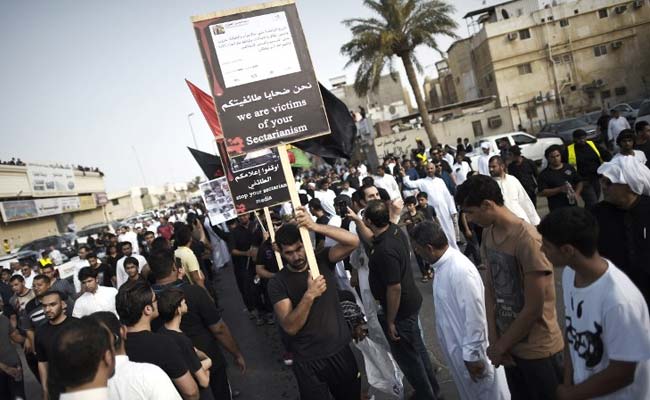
(553, 178)
(187, 348)
(588, 161)
(389, 264)
(624, 239)
(156, 349)
(526, 173)
(201, 314)
(325, 332)
(322, 220)
(104, 275)
(243, 238)
(429, 212)
(45, 336)
(266, 257)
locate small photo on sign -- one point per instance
(254, 49)
(254, 159)
(218, 200)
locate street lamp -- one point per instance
(189, 121)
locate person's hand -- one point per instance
(241, 363)
(476, 369)
(15, 373)
(563, 392)
(265, 235)
(359, 333)
(28, 346)
(392, 332)
(315, 287)
(352, 215)
(499, 356)
(304, 219)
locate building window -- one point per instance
(600, 50)
(478, 128)
(495, 122)
(567, 58)
(602, 13)
(605, 94)
(557, 59)
(524, 34)
(115, 202)
(520, 12)
(620, 91)
(564, 22)
(525, 69)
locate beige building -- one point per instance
(42, 200)
(549, 59)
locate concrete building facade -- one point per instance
(546, 60)
(38, 201)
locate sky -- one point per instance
(101, 83)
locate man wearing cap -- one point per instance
(586, 157)
(624, 219)
(484, 159)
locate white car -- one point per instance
(531, 147)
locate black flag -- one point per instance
(339, 143)
(209, 163)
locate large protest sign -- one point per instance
(261, 76)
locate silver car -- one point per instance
(564, 129)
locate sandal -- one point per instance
(424, 279)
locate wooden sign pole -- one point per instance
(295, 201)
(269, 223)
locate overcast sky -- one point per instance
(86, 81)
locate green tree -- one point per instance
(403, 25)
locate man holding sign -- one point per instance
(309, 312)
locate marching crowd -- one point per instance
(141, 318)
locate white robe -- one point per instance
(440, 199)
(484, 164)
(517, 200)
(458, 297)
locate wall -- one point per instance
(123, 209)
(388, 92)
(14, 180)
(21, 232)
(401, 143)
(85, 218)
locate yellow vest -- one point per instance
(571, 150)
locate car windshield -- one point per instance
(573, 123)
(635, 104)
(644, 109)
(592, 117)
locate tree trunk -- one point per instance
(422, 107)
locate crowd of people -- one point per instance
(142, 317)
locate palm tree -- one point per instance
(403, 26)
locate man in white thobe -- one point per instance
(439, 198)
(484, 159)
(514, 195)
(387, 182)
(616, 125)
(326, 196)
(461, 325)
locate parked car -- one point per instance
(592, 117)
(531, 147)
(629, 110)
(59, 243)
(93, 231)
(20, 256)
(644, 112)
(563, 129)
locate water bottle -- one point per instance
(570, 194)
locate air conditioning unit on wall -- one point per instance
(620, 9)
(637, 3)
(512, 35)
(617, 45)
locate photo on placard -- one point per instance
(254, 159)
(218, 200)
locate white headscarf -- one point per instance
(628, 171)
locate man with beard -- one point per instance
(308, 311)
(514, 195)
(586, 157)
(54, 307)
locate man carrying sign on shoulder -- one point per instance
(309, 312)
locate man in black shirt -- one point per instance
(525, 171)
(308, 311)
(642, 140)
(624, 220)
(136, 305)
(202, 323)
(586, 157)
(554, 179)
(104, 273)
(246, 237)
(392, 284)
(423, 205)
(322, 217)
(54, 307)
